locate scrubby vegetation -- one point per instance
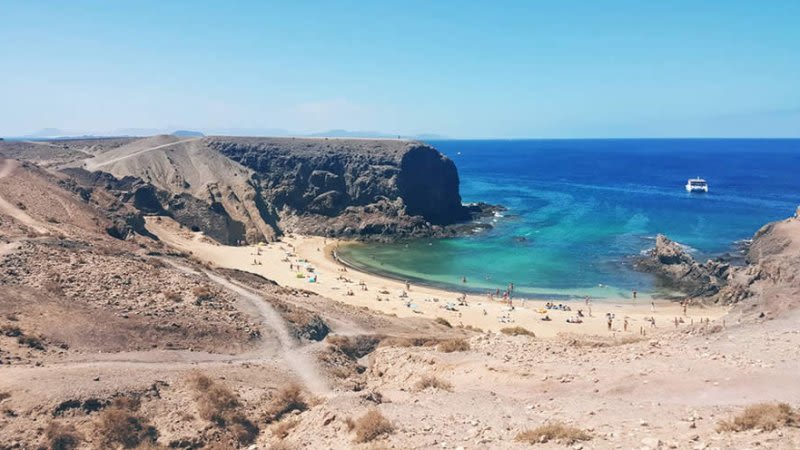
(371, 426)
(62, 437)
(173, 296)
(11, 330)
(430, 381)
(218, 404)
(31, 341)
(282, 429)
(762, 416)
(409, 342)
(453, 345)
(121, 425)
(202, 294)
(443, 321)
(553, 431)
(517, 331)
(286, 400)
(354, 346)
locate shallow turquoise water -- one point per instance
(579, 209)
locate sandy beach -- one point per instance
(296, 260)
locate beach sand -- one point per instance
(342, 284)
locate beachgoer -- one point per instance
(609, 323)
(634, 294)
(676, 322)
(463, 279)
(625, 325)
(652, 306)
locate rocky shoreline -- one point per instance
(763, 281)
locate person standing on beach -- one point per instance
(610, 320)
(652, 306)
(625, 324)
(408, 286)
(634, 294)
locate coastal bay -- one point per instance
(578, 211)
(391, 296)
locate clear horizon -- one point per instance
(570, 70)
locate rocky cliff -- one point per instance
(255, 189)
(351, 187)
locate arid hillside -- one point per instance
(115, 340)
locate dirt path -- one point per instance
(6, 169)
(288, 350)
(297, 359)
(91, 164)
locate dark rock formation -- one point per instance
(676, 269)
(256, 189)
(349, 187)
(128, 199)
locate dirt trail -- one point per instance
(288, 349)
(297, 359)
(7, 168)
(93, 165)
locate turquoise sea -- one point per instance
(579, 209)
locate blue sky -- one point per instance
(461, 69)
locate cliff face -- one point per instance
(351, 187)
(126, 200)
(255, 189)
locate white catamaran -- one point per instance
(696, 185)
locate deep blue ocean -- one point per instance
(579, 209)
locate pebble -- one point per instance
(651, 443)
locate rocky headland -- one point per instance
(257, 189)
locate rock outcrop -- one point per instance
(352, 187)
(255, 189)
(126, 200)
(676, 269)
(768, 284)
